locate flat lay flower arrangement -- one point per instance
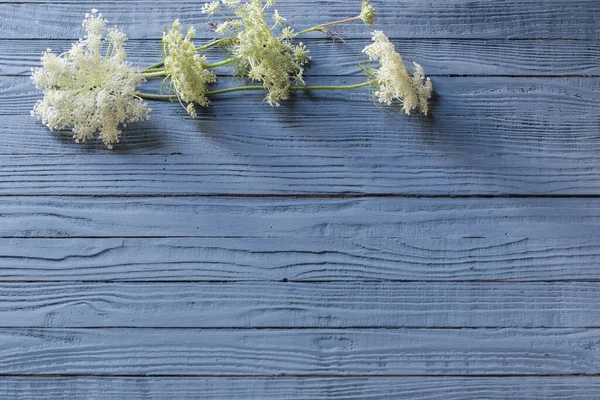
(93, 90)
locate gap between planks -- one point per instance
(315, 195)
(292, 376)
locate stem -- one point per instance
(155, 66)
(320, 27)
(333, 87)
(158, 97)
(204, 47)
(295, 88)
(149, 73)
(214, 43)
(157, 73)
(234, 89)
(169, 97)
(220, 63)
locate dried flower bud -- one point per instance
(367, 13)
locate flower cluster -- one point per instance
(261, 56)
(185, 68)
(89, 91)
(393, 80)
(92, 89)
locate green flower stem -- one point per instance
(204, 47)
(170, 97)
(157, 73)
(161, 72)
(321, 28)
(333, 87)
(155, 66)
(220, 63)
(215, 43)
(158, 97)
(234, 89)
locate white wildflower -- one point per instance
(393, 80)
(231, 3)
(185, 67)
(278, 19)
(288, 33)
(231, 26)
(222, 28)
(367, 13)
(88, 91)
(191, 110)
(301, 54)
(265, 58)
(423, 86)
(210, 8)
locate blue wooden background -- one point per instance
(323, 249)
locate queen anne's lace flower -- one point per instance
(393, 80)
(278, 19)
(89, 91)
(185, 67)
(210, 8)
(423, 87)
(262, 56)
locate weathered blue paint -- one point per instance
(322, 249)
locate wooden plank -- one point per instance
(487, 136)
(438, 57)
(489, 258)
(411, 18)
(313, 352)
(368, 388)
(300, 218)
(290, 305)
(283, 175)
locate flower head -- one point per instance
(88, 91)
(423, 86)
(393, 80)
(210, 8)
(367, 13)
(278, 19)
(185, 67)
(263, 57)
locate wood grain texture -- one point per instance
(493, 258)
(487, 136)
(411, 18)
(313, 352)
(293, 305)
(116, 266)
(437, 56)
(300, 218)
(368, 388)
(296, 175)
